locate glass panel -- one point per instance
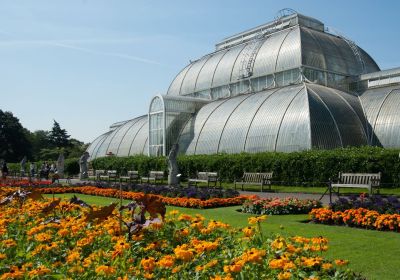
(156, 132)
(156, 105)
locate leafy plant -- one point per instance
(278, 206)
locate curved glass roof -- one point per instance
(287, 119)
(286, 49)
(130, 138)
(381, 106)
(276, 87)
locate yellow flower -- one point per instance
(253, 255)
(166, 261)
(9, 243)
(278, 243)
(183, 252)
(173, 212)
(183, 232)
(255, 220)
(3, 256)
(105, 270)
(41, 270)
(121, 245)
(14, 273)
(185, 217)
(277, 263)
(248, 231)
(327, 266)
(73, 256)
(43, 237)
(236, 266)
(63, 232)
(148, 275)
(284, 275)
(148, 263)
(341, 262)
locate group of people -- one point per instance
(46, 171)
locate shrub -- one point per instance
(278, 206)
(71, 166)
(314, 167)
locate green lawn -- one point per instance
(375, 254)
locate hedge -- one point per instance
(311, 168)
(71, 166)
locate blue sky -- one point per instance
(89, 63)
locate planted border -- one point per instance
(175, 201)
(47, 240)
(362, 218)
(280, 206)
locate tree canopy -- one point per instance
(14, 139)
(17, 142)
(58, 137)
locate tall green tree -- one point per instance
(14, 139)
(40, 140)
(58, 137)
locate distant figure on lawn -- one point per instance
(83, 166)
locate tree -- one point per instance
(14, 139)
(40, 140)
(58, 137)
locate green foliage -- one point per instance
(14, 142)
(58, 137)
(312, 168)
(71, 166)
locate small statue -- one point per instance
(23, 166)
(83, 166)
(60, 165)
(173, 170)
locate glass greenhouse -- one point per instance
(287, 85)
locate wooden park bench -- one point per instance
(91, 174)
(131, 176)
(355, 180)
(205, 177)
(98, 173)
(261, 179)
(110, 175)
(153, 176)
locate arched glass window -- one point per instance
(156, 127)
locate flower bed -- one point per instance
(48, 240)
(360, 217)
(278, 206)
(383, 205)
(176, 201)
(23, 183)
(173, 191)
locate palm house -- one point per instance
(288, 85)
